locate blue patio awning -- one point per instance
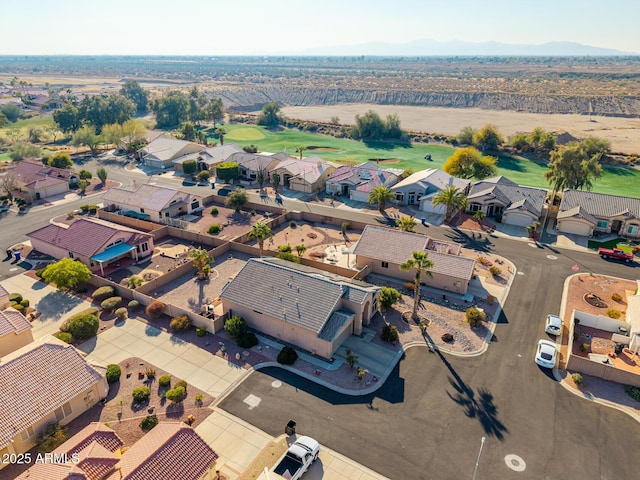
(134, 214)
(113, 252)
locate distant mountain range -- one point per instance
(427, 47)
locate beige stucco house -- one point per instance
(310, 308)
(307, 175)
(208, 158)
(161, 152)
(15, 331)
(587, 213)
(49, 382)
(419, 188)
(356, 182)
(38, 181)
(384, 249)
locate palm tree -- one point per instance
(406, 224)
(301, 249)
(260, 231)
(351, 358)
(381, 195)
(420, 261)
(479, 216)
(452, 198)
(201, 259)
(221, 131)
(300, 149)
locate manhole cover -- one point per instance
(252, 401)
(276, 384)
(515, 463)
(552, 257)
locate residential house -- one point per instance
(357, 182)
(249, 164)
(49, 382)
(588, 213)
(4, 296)
(384, 249)
(41, 181)
(310, 308)
(161, 152)
(500, 197)
(171, 450)
(43, 102)
(152, 202)
(96, 243)
(420, 187)
(307, 175)
(208, 158)
(15, 331)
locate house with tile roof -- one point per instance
(41, 181)
(419, 188)
(171, 450)
(162, 151)
(249, 164)
(152, 202)
(310, 308)
(50, 382)
(4, 296)
(384, 249)
(208, 158)
(15, 331)
(96, 243)
(500, 197)
(587, 213)
(306, 175)
(356, 182)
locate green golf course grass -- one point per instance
(615, 180)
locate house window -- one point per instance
(27, 434)
(145, 246)
(632, 230)
(475, 207)
(602, 224)
(195, 204)
(71, 255)
(142, 210)
(384, 264)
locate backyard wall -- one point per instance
(600, 322)
(219, 200)
(606, 372)
(128, 221)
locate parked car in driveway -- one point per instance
(616, 254)
(546, 353)
(553, 325)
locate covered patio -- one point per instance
(114, 253)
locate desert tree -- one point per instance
(419, 262)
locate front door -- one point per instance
(615, 226)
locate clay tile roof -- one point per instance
(600, 205)
(96, 461)
(12, 321)
(171, 450)
(53, 471)
(94, 432)
(3, 291)
(149, 197)
(39, 385)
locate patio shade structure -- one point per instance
(138, 215)
(112, 253)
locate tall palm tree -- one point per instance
(406, 224)
(381, 195)
(420, 261)
(221, 131)
(201, 260)
(300, 149)
(452, 198)
(260, 231)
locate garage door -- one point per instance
(514, 218)
(427, 206)
(575, 227)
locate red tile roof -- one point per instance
(96, 461)
(94, 432)
(12, 321)
(3, 291)
(53, 471)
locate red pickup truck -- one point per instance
(615, 253)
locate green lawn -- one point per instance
(615, 180)
(621, 243)
(25, 125)
(4, 157)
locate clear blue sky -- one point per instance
(237, 27)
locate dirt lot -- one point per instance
(624, 133)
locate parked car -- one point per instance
(553, 325)
(546, 353)
(615, 253)
(298, 458)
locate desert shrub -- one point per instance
(134, 305)
(198, 398)
(148, 422)
(141, 393)
(344, 227)
(495, 271)
(179, 323)
(181, 383)
(201, 331)
(284, 248)
(164, 380)
(18, 307)
(110, 304)
(577, 379)
(39, 272)
(288, 256)
(247, 340)
(25, 303)
(102, 293)
(15, 298)
(287, 356)
(292, 224)
(150, 373)
(584, 347)
(176, 394)
(54, 436)
(409, 286)
(389, 333)
(214, 229)
(633, 392)
(214, 211)
(66, 337)
(235, 326)
(203, 176)
(475, 316)
(189, 166)
(616, 297)
(613, 313)
(155, 309)
(113, 373)
(82, 326)
(388, 296)
(122, 313)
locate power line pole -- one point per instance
(475, 470)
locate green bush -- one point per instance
(389, 333)
(110, 304)
(150, 373)
(141, 393)
(164, 380)
(15, 298)
(203, 176)
(293, 224)
(235, 326)
(616, 297)
(39, 273)
(287, 356)
(227, 171)
(214, 211)
(201, 331)
(181, 383)
(613, 313)
(198, 398)
(148, 422)
(189, 167)
(495, 271)
(179, 323)
(66, 337)
(102, 293)
(344, 227)
(388, 296)
(577, 379)
(633, 392)
(82, 326)
(475, 316)
(290, 257)
(54, 436)
(155, 309)
(134, 305)
(214, 229)
(122, 313)
(247, 340)
(25, 303)
(176, 394)
(284, 248)
(113, 373)
(18, 307)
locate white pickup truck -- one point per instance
(298, 458)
